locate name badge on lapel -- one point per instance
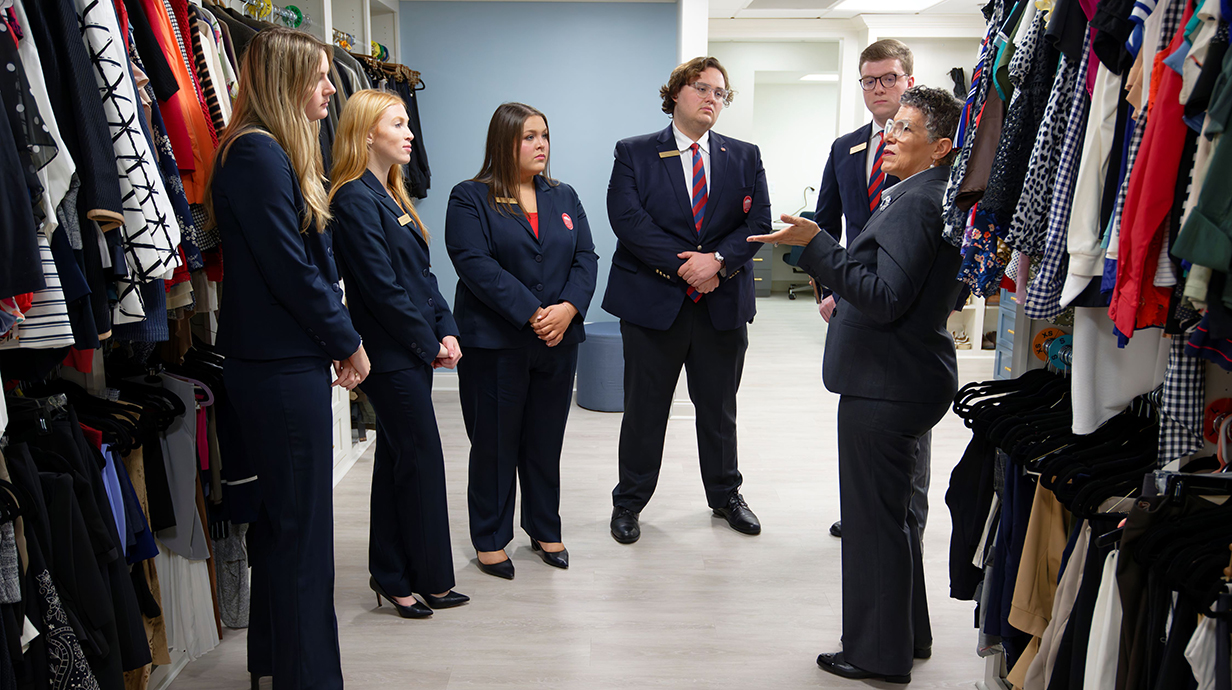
(858, 148)
(405, 219)
(669, 154)
(506, 200)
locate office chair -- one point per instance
(792, 258)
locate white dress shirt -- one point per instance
(683, 143)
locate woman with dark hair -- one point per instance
(282, 322)
(890, 358)
(526, 264)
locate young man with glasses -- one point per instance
(853, 184)
(682, 202)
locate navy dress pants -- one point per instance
(408, 542)
(515, 403)
(885, 611)
(285, 411)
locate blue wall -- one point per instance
(593, 68)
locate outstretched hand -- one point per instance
(798, 233)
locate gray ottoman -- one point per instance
(601, 368)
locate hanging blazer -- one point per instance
(652, 216)
(282, 298)
(844, 185)
(898, 281)
(383, 257)
(505, 273)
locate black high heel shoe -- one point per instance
(503, 569)
(450, 600)
(416, 610)
(556, 559)
(256, 680)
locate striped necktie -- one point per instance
(699, 203)
(876, 180)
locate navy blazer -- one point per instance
(505, 273)
(899, 281)
(844, 185)
(282, 298)
(652, 216)
(391, 291)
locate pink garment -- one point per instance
(203, 438)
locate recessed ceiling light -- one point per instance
(819, 77)
(884, 6)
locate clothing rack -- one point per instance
(345, 40)
(394, 71)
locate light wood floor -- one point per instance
(693, 604)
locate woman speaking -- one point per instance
(383, 256)
(891, 360)
(521, 245)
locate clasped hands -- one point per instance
(551, 322)
(449, 354)
(352, 370)
(700, 270)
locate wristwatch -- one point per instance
(722, 264)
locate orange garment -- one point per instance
(194, 168)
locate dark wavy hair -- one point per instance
(941, 112)
(686, 74)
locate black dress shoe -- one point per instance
(836, 530)
(503, 569)
(450, 600)
(923, 652)
(624, 526)
(416, 610)
(556, 559)
(738, 515)
(834, 663)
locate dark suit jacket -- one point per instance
(844, 186)
(505, 273)
(899, 282)
(391, 291)
(282, 298)
(651, 214)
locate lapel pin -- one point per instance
(748, 203)
(722, 148)
(568, 221)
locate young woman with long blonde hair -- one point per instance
(406, 323)
(282, 323)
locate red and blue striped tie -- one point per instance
(876, 181)
(699, 203)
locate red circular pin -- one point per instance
(568, 221)
(748, 203)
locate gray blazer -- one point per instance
(898, 282)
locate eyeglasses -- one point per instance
(704, 90)
(887, 81)
(895, 128)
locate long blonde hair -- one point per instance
(361, 115)
(279, 70)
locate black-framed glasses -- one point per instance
(887, 81)
(896, 128)
(704, 90)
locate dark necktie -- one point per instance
(876, 180)
(699, 203)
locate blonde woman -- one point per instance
(282, 323)
(383, 256)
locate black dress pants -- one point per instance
(885, 611)
(286, 421)
(408, 542)
(515, 403)
(713, 361)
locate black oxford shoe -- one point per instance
(836, 530)
(624, 526)
(834, 663)
(738, 515)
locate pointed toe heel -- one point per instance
(503, 570)
(450, 600)
(556, 559)
(416, 610)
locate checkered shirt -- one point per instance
(1181, 413)
(1044, 293)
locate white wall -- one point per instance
(794, 125)
(743, 60)
(935, 57)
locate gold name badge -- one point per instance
(858, 148)
(506, 200)
(405, 219)
(669, 154)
